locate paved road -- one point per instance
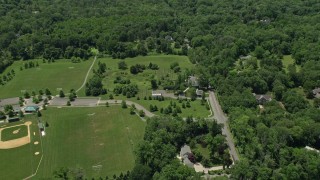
(85, 79)
(221, 118)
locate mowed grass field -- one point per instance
(60, 74)
(90, 137)
(21, 162)
(141, 79)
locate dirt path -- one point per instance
(85, 79)
(16, 142)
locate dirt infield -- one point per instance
(16, 142)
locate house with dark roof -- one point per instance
(187, 157)
(316, 92)
(193, 81)
(168, 38)
(262, 98)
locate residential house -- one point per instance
(188, 158)
(262, 98)
(168, 38)
(193, 81)
(245, 57)
(316, 92)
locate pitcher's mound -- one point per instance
(16, 131)
(36, 143)
(28, 123)
(36, 153)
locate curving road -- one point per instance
(85, 79)
(222, 119)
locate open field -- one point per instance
(88, 138)
(60, 74)
(21, 162)
(14, 133)
(141, 79)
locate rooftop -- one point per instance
(31, 108)
(316, 91)
(263, 96)
(193, 81)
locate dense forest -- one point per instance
(215, 35)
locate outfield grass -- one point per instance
(141, 79)
(60, 74)
(21, 162)
(7, 134)
(87, 137)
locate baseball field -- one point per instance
(100, 141)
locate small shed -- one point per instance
(41, 126)
(31, 109)
(262, 98)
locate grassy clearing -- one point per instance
(142, 79)
(287, 60)
(87, 137)
(21, 162)
(7, 134)
(302, 93)
(60, 74)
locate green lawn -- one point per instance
(21, 162)
(7, 134)
(204, 151)
(88, 137)
(196, 109)
(60, 74)
(142, 79)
